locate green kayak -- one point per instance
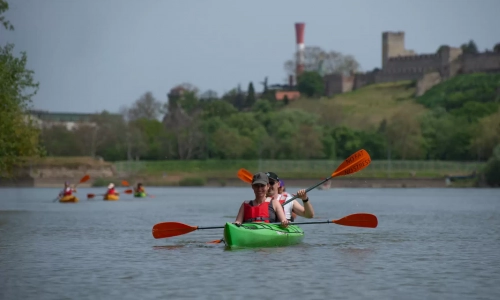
(252, 235)
(140, 195)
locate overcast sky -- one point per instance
(94, 55)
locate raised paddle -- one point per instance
(93, 195)
(354, 163)
(82, 180)
(170, 229)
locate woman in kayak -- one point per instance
(67, 191)
(257, 210)
(281, 188)
(111, 190)
(293, 208)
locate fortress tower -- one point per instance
(393, 45)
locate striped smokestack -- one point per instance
(299, 33)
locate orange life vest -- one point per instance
(258, 213)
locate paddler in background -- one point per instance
(67, 191)
(292, 207)
(111, 190)
(139, 189)
(281, 191)
(257, 210)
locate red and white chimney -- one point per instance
(299, 33)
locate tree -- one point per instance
(146, 107)
(285, 100)
(404, 135)
(4, 6)
(311, 84)
(323, 62)
(496, 48)
(19, 136)
(250, 99)
(209, 95)
(469, 47)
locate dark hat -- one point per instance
(260, 178)
(273, 176)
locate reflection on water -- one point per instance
(430, 244)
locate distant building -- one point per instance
(399, 63)
(291, 95)
(69, 120)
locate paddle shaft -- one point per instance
(308, 190)
(277, 223)
(348, 169)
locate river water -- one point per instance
(430, 244)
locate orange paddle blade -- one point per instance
(358, 163)
(245, 175)
(90, 195)
(128, 192)
(125, 183)
(84, 178)
(352, 158)
(215, 242)
(358, 220)
(169, 229)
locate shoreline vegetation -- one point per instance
(222, 173)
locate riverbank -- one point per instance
(53, 172)
(235, 182)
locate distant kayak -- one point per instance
(140, 195)
(252, 235)
(68, 199)
(111, 197)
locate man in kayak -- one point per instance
(67, 191)
(292, 207)
(257, 210)
(111, 190)
(139, 189)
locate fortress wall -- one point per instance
(481, 62)
(381, 77)
(416, 63)
(363, 79)
(333, 84)
(393, 45)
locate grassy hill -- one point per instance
(364, 108)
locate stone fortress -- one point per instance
(399, 63)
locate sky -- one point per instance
(95, 55)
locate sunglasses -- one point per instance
(272, 182)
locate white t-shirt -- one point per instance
(289, 206)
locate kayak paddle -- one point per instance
(354, 163)
(82, 180)
(170, 229)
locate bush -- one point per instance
(99, 182)
(457, 91)
(192, 181)
(492, 168)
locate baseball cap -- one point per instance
(282, 183)
(260, 178)
(273, 176)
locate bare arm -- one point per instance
(305, 211)
(239, 217)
